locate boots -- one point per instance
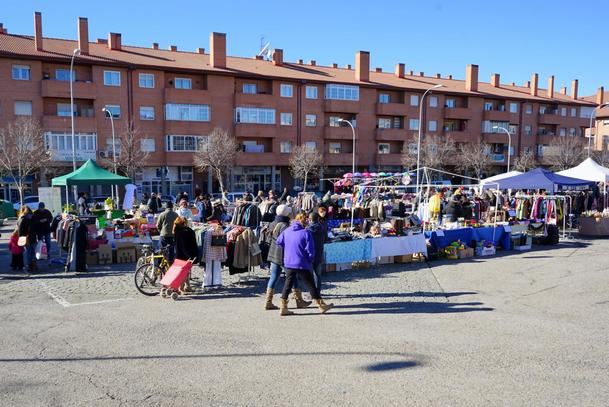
(323, 307)
(269, 300)
(284, 311)
(300, 302)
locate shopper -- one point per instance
(26, 229)
(217, 212)
(153, 204)
(260, 197)
(319, 238)
(184, 211)
(185, 246)
(41, 220)
(275, 257)
(164, 224)
(298, 256)
(83, 209)
(16, 252)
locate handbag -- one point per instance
(255, 249)
(22, 241)
(41, 251)
(218, 240)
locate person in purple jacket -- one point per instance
(298, 255)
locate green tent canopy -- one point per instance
(90, 174)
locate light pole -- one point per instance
(509, 144)
(592, 115)
(74, 54)
(353, 164)
(109, 114)
(421, 105)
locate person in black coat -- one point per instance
(26, 227)
(319, 237)
(452, 210)
(153, 204)
(185, 246)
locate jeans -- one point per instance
(46, 238)
(307, 277)
(169, 242)
(29, 254)
(317, 270)
(274, 280)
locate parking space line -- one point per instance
(99, 302)
(66, 304)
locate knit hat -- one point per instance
(284, 210)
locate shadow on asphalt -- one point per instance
(387, 366)
(424, 294)
(408, 307)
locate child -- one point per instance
(16, 251)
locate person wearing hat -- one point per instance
(217, 212)
(275, 257)
(41, 221)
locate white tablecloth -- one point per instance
(398, 246)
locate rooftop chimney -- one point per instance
(438, 76)
(495, 79)
(83, 35)
(312, 62)
(173, 48)
(563, 90)
(2, 29)
(534, 82)
(362, 66)
(450, 77)
(335, 65)
(421, 73)
(471, 78)
(551, 87)
(200, 50)
(155, 45)
(574, 85)
(38, 30)
(278, 57)
(217, 49)
(600, 96)
(377, 69)
(399, 70)
(102, 41)
(114, 41)
(527, 84)
(348, 66)
(300, 62)
(258, 57)
(410, 72)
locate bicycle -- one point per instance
(150, 269)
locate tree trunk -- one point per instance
(304, 187)
(20, 189)
(219, 176)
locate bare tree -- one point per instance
(475, 157)
(305, 162)
(526, 161)
(129, 154)
(601, 157)
(22, 150)
(436, 152)
(217, 155)
(565, 152)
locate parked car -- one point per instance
(232, 196)
(168, 198)
(30, 201)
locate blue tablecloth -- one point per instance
(466, 235)
(335, 223)
(347, 252)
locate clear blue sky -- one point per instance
(515, 38)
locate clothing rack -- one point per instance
(555, 197)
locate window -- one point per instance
(562, 132)
(255, 115)
(286, 119)
(112, 78)
(342, 92)
(542, 109)
(187, 112)
(528, 109)
(335, 148)
(384, 98)
(21, 72)
(23, 108)
(412, 148)
(563, 111)
(286, 90)
(63, 109)
(528, 130)
(115, 110)
(384, 123)
(513, 128)
(433, 101)
(183, 83)
(64, 75)
(414, 124)
(488, 126)
(501, 108)
(513, 107)
(311, 92)
(586, 112)
(147, 80)
(285, 147)
(384, 148)
(334, 121)
(432, 125)
(450, 103)
(147, 145)
(310, 145)
(310, 120)
(250, 88)
(488, 106)
(573, 112)
(146, 113)
(414, 100)
(62, 142)
(397, 122)
(572, 132)
(186, 143)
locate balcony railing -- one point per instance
(498, 158)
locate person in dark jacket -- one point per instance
(452, 210)
(153, 204)
(319, 237)
(25, 227)
(217, 212)
(42, 219)
(298, 256)
(185, 246)
(275, 257)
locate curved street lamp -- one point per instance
(353, 164)
(509, 144)
(74, 54)
(592, 115)
(421, 105)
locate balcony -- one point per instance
(391, 135)
(498, 138)
(250, 130)
(549, 118)
(343, 159)
(461, 136)
(255, 99)
(61, 89)
(388, 159)
(496, 115)
(192, 96)
(61, 123)
(391, 109)
(339, 133)
(497, 158)
(66, 155)
(257, 159)
(341, 106)
(459, 113)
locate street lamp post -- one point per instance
(421, 105)
(109, 114)
(592, 115)
(74, 54)
(353, 164)
(509, 144)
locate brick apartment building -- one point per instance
(176, 98)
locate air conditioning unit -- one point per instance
(103, 154)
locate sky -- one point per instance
(514, 38)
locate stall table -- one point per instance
(443, 238)
(371, 248)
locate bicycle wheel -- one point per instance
(148, 279)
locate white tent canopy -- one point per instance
(588, 170)
(499, 176)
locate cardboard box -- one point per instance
(385, 260)
(330, 268)
(465, 253)
(523, 248)
(125, 252)
(485, 251)
(343, 266)
(92, 257)
(406, 258)
(104, 254)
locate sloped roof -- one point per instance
(589, 170)
(99, 53)
(90, 174)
